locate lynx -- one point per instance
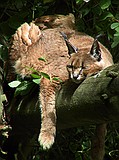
(56, 44)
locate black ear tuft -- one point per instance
(95, 50)
(71, 48)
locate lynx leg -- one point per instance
(48, 115)
(98, 142)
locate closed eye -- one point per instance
(70, 66)
(86, 67)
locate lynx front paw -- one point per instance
(46, 140)
(25, 36)
(29, 34)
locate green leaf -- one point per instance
(85, 11)
(106, 15)
(116, 34)
(79, 1)
(45, 75)
(114, 25)
(33, 70)
(57, 79)
(105, 4)
(35, 76)
(3, 97)
(14, 84)
(116, 42)
(97, 10)
(78, 156)
(24, 88)
(37, 81)
(47, 1)
(117, 29)
(42, 59)
(3, 52)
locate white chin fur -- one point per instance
(78, 80)
(79, 77)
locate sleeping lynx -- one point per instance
(30, 43)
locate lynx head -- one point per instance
(83, 62)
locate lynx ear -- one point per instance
(71, 48)
(95, 50)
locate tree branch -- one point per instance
(94, 101)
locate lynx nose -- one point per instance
(75, 76)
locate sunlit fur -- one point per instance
(30, 43)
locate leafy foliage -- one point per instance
(92, 17)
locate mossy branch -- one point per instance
(95, 101)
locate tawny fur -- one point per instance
(30, 43)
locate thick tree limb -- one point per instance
(94, 101)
